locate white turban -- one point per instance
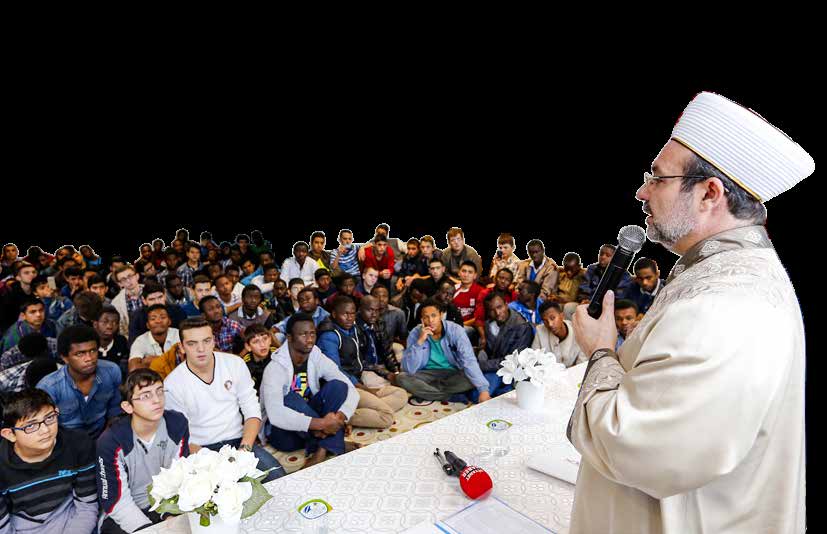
(746, 148)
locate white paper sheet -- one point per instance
(490, 515)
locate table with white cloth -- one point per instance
(396, 484)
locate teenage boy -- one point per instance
(466, 299)
(56, 304)
(258, 347)
(214, 390)
(251, 312)
(307, 398)
(324, 284)
(135, 449)
(439, 361)
(47, 473)
(157, 340)
(309, 304)
(32, 319)
(113, 346)
(86, 389)
(203, 288)
(351, 348)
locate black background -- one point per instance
(124, 156)
(556, 156)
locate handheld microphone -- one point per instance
(447, 468)
(630, 240)
(473, 480)
(455, 462)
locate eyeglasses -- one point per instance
(649, 178)
(147, 396)
(31, 428)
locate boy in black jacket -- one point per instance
(47, 473)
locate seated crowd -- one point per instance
(110, 371)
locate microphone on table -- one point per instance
(630, 240)
(473, 480)
(447, 468)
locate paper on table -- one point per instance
(558, 460)
(481, 515)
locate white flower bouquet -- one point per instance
(224, 483)
(533, 365)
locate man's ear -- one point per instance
(127, 407)
(8, 433)
(714, 192)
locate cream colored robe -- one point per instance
(700, 426)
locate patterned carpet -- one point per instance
(411, 416)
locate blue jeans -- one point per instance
(495, 384)
(495, 389)
(265, 459)
(329, 399)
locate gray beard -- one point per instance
(678, 225)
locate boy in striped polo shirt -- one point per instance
(345, 257)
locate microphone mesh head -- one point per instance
(631, 238)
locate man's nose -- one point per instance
(642, 193)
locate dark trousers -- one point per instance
(473, 335)
(265, 459)
(434, 384)
(328, 400)
(110, 527)
(496, 387)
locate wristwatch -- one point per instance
(245, 447)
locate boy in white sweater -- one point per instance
(213, 390)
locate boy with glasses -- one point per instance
(47, 473)
(135, 449)
(129, 298)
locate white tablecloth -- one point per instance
(396, 484)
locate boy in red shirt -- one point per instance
(466, 299)
(380, 257)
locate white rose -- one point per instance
(195, 491)
(166, 483)
(228, 472)
(227, 451)
(204, 459)
(511, 370)
(236, 464)
(248, 462)
(230, 500)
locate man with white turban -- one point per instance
(696, 424)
